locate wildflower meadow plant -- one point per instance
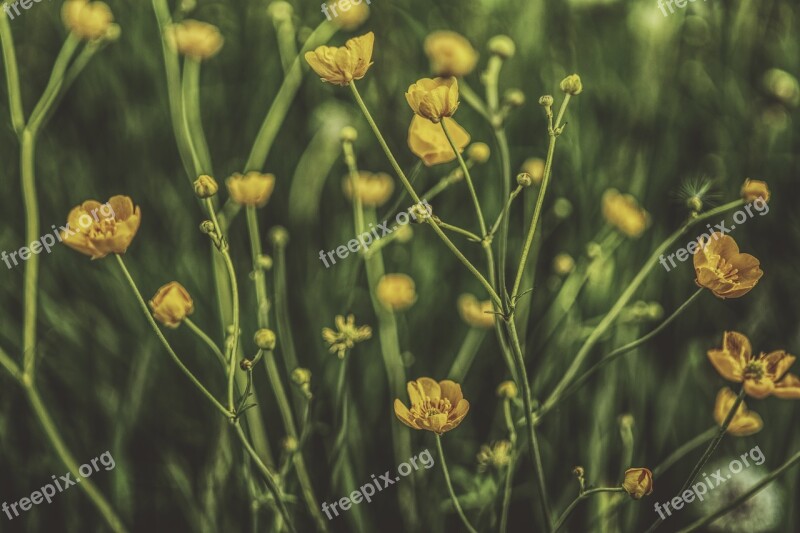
(531, 177)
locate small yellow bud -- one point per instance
(420, 213)
(246, 364)
(563, 264)
(502, 46)
(562, 208)
(264, 262)
(265, 339)
(279, 236)
(535, 167)
(546, 101)
(289, 444)
(479, 152)
(207, 227)
(403, 234)
(524, 179)
(301, 376)
(638, 482)
(349, 134)
(572, 85)
(205, 186)
(514, 98)
(694, 203)
(280, 11)
(507, 389)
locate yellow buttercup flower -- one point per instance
(344, 64)
(171, 304)
(476, 313)
(195, 39)
(450, 53)
(762, 375)
(373, 189)
(433, 99)
(87, 20)
(346, 336)
(638, 482)
(351, 18)
(753, 189)
(623, 212)
(498, 455)
(95, 232)
(428, 142)
(396, 292)
(721, 269)
(744, 422)
(253, 189)
(437, 407)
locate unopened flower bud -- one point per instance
(289, 444)
(420, 213)
(694, 203)
(572, 85)
(207, 227)
(264, 262)
(280, 11)
(279, 236)
(245, 364)
(507, 389)
(479, 152)
(546, 100)
(502, 46)
(349, 134)
(524, 179)
(514, 98)
(301, 376)
(265, 339)
(205, 186)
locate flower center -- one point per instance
(754, 370)
(726, 270)
(103, 228)
(429, 408)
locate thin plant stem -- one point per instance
(617, 353)
(10, 365)
(12, 76)
(228, 413)
(625, 297)
(455, 229)
(31, 284)
(191, 103)
(466, 354)
(504, 212)
(512, 436)
(453, 497)
(678, 454)
(577, 500)
(207, 340)
(467, 177)
(54, 84)
(453, 177)
(769, 478)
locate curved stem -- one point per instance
(457, 505)
(467, 177)
(207, 340)
(577, 500)
(54, 84)
(455, 229)
(678, 454)
(228, 413)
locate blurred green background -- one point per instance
(667, 101)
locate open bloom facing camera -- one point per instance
(105, 234)
(344, 64)
(437, 407)
(721, 269)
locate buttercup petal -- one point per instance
(403, 414)
(430, 388)
(778, 363)
(759, 389)
(788, 388)
(451, 390)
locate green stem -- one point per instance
(54, 84)
(12, 76)
(457, 505)
(795, 459)
(512, 434)
(504, 212)
(678, 454)
(10, 365)
(207, 340)
(228, 413)
(476, 203)
(191, 106)
(577, 500)
(455, 229)
(466, 354)
(27, 157)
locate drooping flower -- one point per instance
(498, 455)
(396, 292)
(753, 189)
(638, 482)
(344, 64)
(437, 407)
(450, 53)
(87, 20)
(346, 336)
(745, 422)
(171, 304)
(252, 189)
(98, 236)
(623, 212)
(721, 269)
(762, 375)
(373, 189)
(195, 39)
(433, 99)
(428, 142)
(476, 313)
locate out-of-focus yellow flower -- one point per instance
(479, 152)
(762, 375)
(302, 378)
(745, 422)
(623, 212)
(721, 269)
(563, 264)
(98, 236)
(428, 142)
(171, 304)
(572, 85)
(507, 389)
(373, 189)
(638, 482)
(403, 234)
(396, 292)
(344, 64)
(498, 455)
(476, 313)
(437, 407)
(253, 189)
(434, 98)
(346, 336)
(753, 189)
(87, 20)
(205, 186)
(450, 53)
(195, 39)
(351, 18)
(535, 167)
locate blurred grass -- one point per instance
(666, 100)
